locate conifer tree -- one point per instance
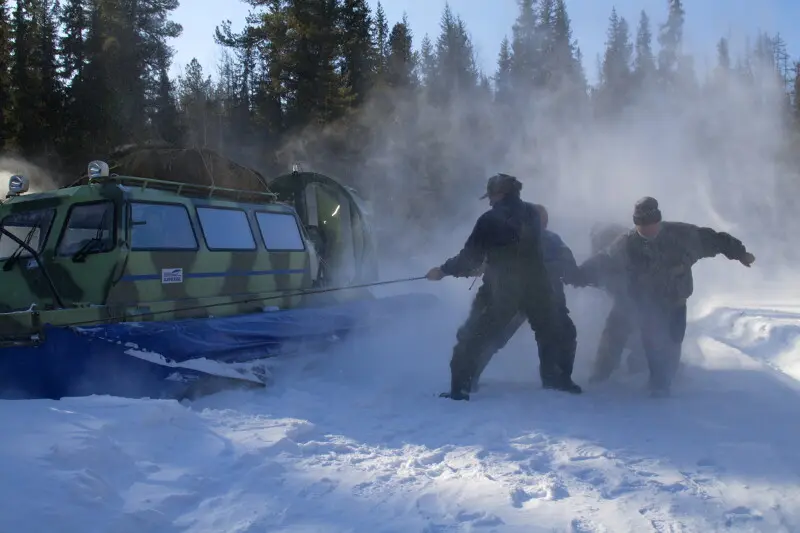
(24, 82)
(51, 105)
(616, 78)
(5, 66)
(644, 67)
(670, 39)
(401, 61)
(525, 63)
(380, 33)
(427, 63)
(358, 53)
(502, 77)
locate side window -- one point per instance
(226, 229)
(161, 227)
(89, 229)
(31, 227)
(280, 231)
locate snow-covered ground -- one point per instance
(357, 442)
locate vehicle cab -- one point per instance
(130, 243)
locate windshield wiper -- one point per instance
(88, 246)
(14, 257)
(86, 249)
(25, 246)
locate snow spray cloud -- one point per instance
(711, 149)
(40, 180)
(711, 154)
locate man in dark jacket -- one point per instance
(561, 268)
(619, 331)
(657, 258)
(508, 237)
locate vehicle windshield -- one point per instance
(31, 227)
(90, 229)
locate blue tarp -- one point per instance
(80, 361)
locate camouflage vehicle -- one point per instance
(148, 287)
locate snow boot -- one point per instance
(457, 392)
(455, 395)
(564, 385)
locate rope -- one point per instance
(249, 299)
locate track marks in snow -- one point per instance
(222, 469)
(315, 454)
(533, 470)
(553, 462)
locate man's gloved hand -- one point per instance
(747, 259)
(435, 274)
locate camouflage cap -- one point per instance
(502, 184)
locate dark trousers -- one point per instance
(562, 351)
(491, 324)
(663, 330)
(620, 329)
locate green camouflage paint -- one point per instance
(127, 285)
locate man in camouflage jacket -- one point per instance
(656, 259)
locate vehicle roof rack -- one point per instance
(189, 189)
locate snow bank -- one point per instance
(768, 335)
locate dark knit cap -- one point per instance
(646, 212)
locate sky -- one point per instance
(490, 20)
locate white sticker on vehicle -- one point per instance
(171, 275)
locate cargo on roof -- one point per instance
(199, 166)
